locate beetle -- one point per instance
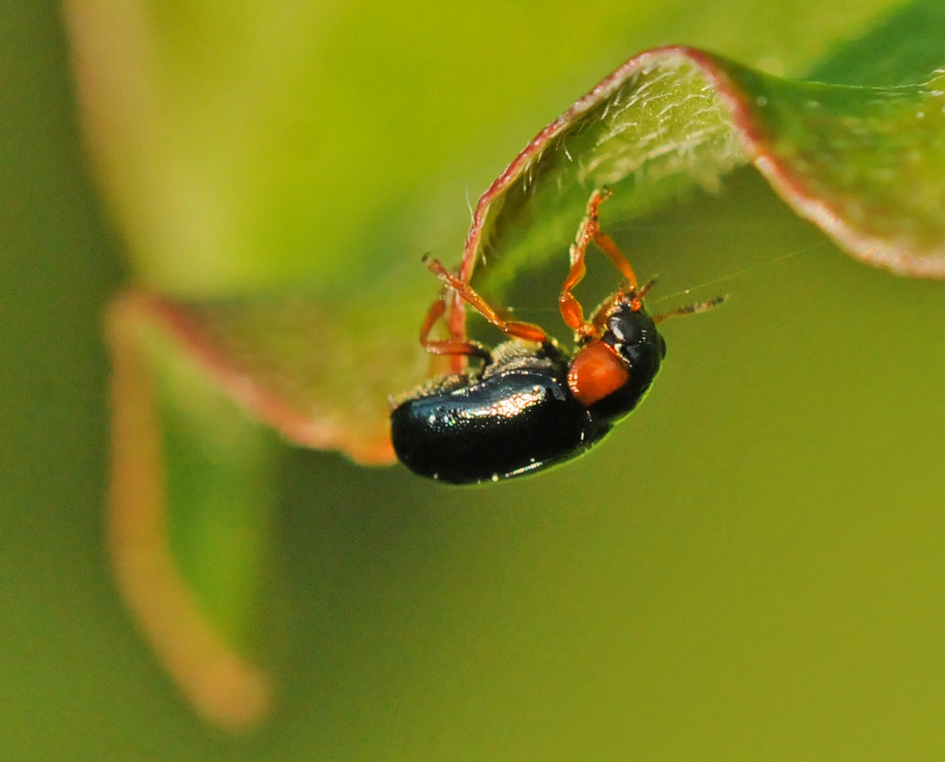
(532, 404)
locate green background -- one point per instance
(749, 568)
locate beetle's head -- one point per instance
(609, 375)
(631, 331)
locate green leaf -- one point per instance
(901, 50)
(190, 519)
(863, 163)
(316, 371)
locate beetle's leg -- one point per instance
(571, 309)
(606, 244)
(513, 328)
(588, 231)
(691, 309)
(451, 346)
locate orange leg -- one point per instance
(513, 328)
(451, 346)
(589, 230)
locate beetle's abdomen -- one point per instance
(503, 425)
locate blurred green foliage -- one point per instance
(748, 569)
(253, 146)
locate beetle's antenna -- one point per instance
(691, 309)
(645, 289)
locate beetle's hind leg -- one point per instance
(453, 346)
(513, 328)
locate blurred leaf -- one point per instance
(901, 50)
(189, 519)
(318, 372)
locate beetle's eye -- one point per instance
(626, 329)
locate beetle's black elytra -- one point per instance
(517, 416)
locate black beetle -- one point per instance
(532, 405)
